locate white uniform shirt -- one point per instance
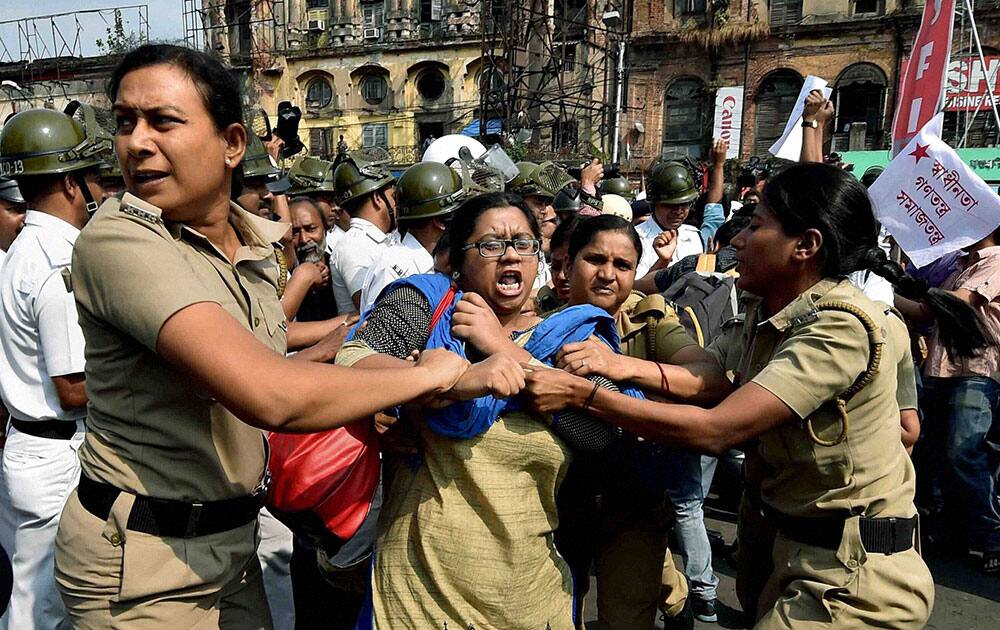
(874, 286)
(333, 236)
(356, 252)
(688, 243)
(39, 331)
(399, 261)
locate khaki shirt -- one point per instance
(633, 328)
(902, 357)
(151, 430)
(807, 358)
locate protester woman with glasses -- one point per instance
(177, 293)
(827, 527)
(466, 533)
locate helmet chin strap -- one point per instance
(81, 181)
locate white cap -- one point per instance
(617, 205)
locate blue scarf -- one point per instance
(466, 419)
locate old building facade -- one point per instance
(392, 73)
(682, 51)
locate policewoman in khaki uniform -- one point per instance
(828, 467)
(177, 293)
(611, 520)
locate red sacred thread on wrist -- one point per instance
(664, 385)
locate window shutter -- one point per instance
(382, 136)
(316, 141)
(435, 9)
(368, 136)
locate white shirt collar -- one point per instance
(369, 228)
(52, 225)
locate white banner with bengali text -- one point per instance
(729, 118)
(931, 201)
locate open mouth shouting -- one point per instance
(510, 283)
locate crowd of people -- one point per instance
(335, 396)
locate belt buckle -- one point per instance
(194, 515)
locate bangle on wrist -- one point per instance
(664, 384)
(590, 399)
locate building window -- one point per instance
(689, 7)
(491, 82)
(319, 93)
(430, 11)
(684, 109)
(565, 57)
(859, 97)
(321, 142)
(373, 89)
(785, 12)
(373, 14)
(431, 84)
(565, 134)
(776, 98)
(866, 7)
(317, 4)
(375, 136)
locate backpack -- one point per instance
(704, 300)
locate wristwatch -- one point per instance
(810, 123)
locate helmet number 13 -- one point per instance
(9, 168)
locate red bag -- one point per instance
(332, 474)
(323, 484)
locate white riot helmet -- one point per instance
(445, 149)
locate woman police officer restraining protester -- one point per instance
(177, 294)
(832, 520)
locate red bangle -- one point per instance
(664, 385)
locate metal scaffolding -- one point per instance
(550, 64)
(60, 35)
(245, 33)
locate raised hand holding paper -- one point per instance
(789, 145)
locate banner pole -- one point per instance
(982, 60)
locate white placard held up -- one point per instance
(931, 201)
(789, 145)
(729, 118)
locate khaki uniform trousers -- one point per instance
(813, 587)
(635, 571)
(112, 578)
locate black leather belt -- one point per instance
(171, 519)
(878, 535)
(51, 429)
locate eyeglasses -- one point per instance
(497, 248)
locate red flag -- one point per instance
(922, 88)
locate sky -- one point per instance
(164, 19)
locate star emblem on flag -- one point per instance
(920, 152)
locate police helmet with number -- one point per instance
(46, 142)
